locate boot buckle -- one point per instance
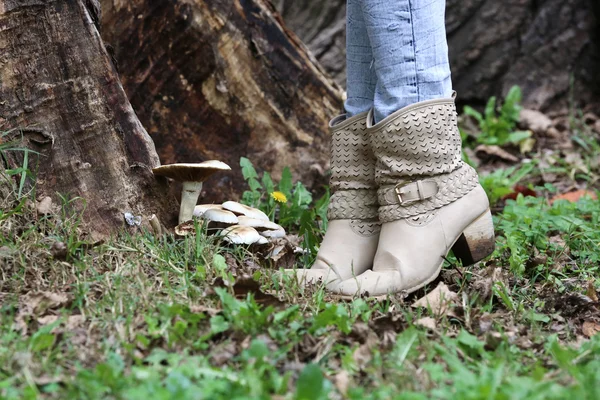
(411, 192)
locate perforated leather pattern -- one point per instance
(365, 228)
(352, 161)
(421, 141)
(353, 204)
(352, 173)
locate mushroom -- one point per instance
(192, 176)
(200, 209)
(273, 233)
(242, 209)
(258, 224)
(262, 240)
(220, 218)
(239, 234)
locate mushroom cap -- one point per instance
(258, 224)
(239, 234)
(197, 172)
(262, 240)
(243, 209)
(274, 233)
(200, 209)
(185, 228)
(217, 215)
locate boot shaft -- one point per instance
(419, 165)
(354, 191)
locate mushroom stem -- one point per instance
(155, 224)
(189, 198)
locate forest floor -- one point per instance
(145, 317)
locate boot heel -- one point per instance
(477, 241)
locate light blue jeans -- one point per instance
(396, 54)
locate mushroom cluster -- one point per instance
(239, 223)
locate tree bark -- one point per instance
(60, 91)
(550, 47)
(222, 79)
(322, 27)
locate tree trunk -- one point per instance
(222, 79)
(322, 26)
(60, 91)
(549, 48)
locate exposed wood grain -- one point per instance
(222, 79)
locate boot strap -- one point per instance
(406, 193)
(412, 198)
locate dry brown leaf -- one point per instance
(426, 322)
(246, 284)
(59, 251)
(47, 319)
(438, 300)
(591, 291)
(590, 328)
(574, 196)
(342, 382)
(36, 303)
(44, 206)
(534, 120)
(362, 355)
(526, 145)
(74, 321)
(200, 309)
(485, 151)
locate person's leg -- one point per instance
(408, 40)
(360, 74)
(430, 201)
(349, 245)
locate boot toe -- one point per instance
(371, 283)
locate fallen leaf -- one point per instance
(574, 196)
(590, 328)
(44, 206)
(591, 291)
(534, 120)
(520, 189)
(246, 284)
(74, 321)
(47, 380)
(342, 382)
(526, 145)
(426, 322)
(47, 319)
(485, 151)
(59, 251)
(438, 300)
(200, 309)
(36, 305)
(362, 355)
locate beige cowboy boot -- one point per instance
(430, 201)
(352, 235)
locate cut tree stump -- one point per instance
(221, 79)
(61, 93)
(550, 48)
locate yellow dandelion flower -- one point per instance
(279, 197)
